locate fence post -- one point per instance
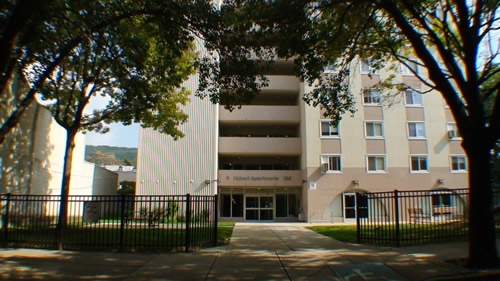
(216, 222)
(396, 216)
(188, 221)
(122, 221)
(6, 218)
(358, 222)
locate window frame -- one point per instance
(417, 136)
(330, 68)
(419, 156)
(330, 136)
(406, 70)
(371, 70)
(464, 163)
(325, 158)
(380, 122)
(377, 171)
(413, 93)
(439, 198)
(370, 91)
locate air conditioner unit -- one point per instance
(324, 168)
(451, 134)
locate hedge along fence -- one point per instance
(115, 223)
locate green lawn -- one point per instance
(345, 233)
(409, 234)
(107, 238)
(224, 232)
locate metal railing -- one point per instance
(400, 218)
(110, 223)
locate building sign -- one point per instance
(252, 178)
(91, 211)
(259, 178)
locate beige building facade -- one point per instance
(279, 159)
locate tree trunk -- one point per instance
(482, 236)
(63, 208)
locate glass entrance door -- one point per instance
(259, 208)
(353, 202)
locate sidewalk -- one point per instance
(269, 251)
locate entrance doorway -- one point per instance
(353, 202)
(259, 208)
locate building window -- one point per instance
(418, 164)
(452, 131)
(286, 205)
(329, 130)
(332, 162)
(458, 163)
(441, 199)
(374, 129)
(376, 163)
(372, 97)
(231, 205)
(413, 98)
(366, 67)
(416, 129)
(410, 68)
(330, 68)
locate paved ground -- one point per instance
(256, 252)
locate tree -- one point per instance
(37, 36)
(492, 82)
(454, 41)
(138, 69)
(102, 158)
(126, 188)
(19, 30)
(127, 162)
(135, 53)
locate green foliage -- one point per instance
(137, 71)
(125, 153)
(135, 53)
(127, 188)
(154, 216)
(202, 216)
(448, 40)
(160, 214)
(101, 158)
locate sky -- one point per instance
(119, 135)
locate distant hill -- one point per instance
(120, 153)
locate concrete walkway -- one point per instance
(256, 252)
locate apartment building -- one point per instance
(279, 159)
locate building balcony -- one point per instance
(263, 146)
(261, 114)
(259, 178)
(282, 84)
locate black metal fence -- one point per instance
(110, 223)
(399, 218)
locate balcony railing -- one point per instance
(262, 114)
(259, 146)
